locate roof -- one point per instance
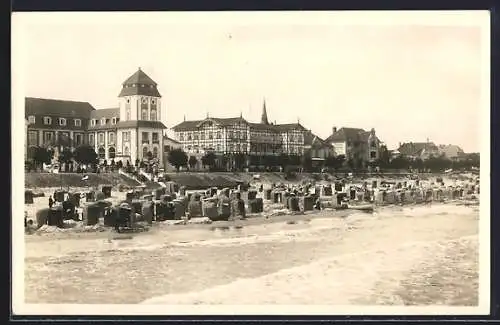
(105, 113)
(57, 107)
(311, 139)
(193, 125)
(451, 151)
(141, 124)
(186, 125)
(166, 137)
(416, 148)
(139, 84)
(344, 134)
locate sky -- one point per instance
(410, 79)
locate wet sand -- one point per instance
(412, 255)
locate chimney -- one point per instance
(334, 129)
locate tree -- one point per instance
(437, 164)
(384, 157)
(306, 162)
(339, 161)
(177, 158)
(208, 160)
(399, 163)
(225, 160)
(283, 160)
(65, 156)
(42, 155)
(192, 162)
(85, 155)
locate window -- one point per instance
(91, 140)
(62, 121)
(166, 148)
(210, 135)
(230, 134)
(78, 122)
(111, 137)
(155, 152)
(244, 135)
(101, 138)
(202, 135)
(144, 101)
(142, 86)
(237, 147)
(196, 135)
(31, 119)
(144, 114)
(373, 144)
(126, 136)
(155, 137)
(144, 152)
(32, 138)
(190, 136)
(48, 137)
(181, 136)
(219, 135)
(126, 151)
(153, 102)
(373, 154)
(153, 115)
(219, 148)
(244, 147)
(145, 137)
(189, 148)
(111, 152)
(78, 139)
(113, 120)
(292, 138)
(101, 153)
(93, 122)
(196, 149)
(299, 138)
(238, 135)
(128, 100)
(230, 147)
(47, 120)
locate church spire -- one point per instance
(264, 114)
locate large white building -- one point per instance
(131, 131)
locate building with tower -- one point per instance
(131, 131)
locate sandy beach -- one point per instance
(412, 255)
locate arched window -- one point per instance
(155, 152)
(111, 137)
(153, 115)
(101, 153)
(126, 151)
(112, 152)
(144, 115)
(144, 152)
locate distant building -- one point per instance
(127, 132)
(452, 152)
(317, 148)
(418, 150)
(236, 135)
(355, 144)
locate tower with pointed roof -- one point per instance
(264, 119)
(140, 130)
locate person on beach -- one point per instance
(51, 201)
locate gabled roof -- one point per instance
(451, 151)
(290, 126)
(57, 107)
(345, 134)
(186, 125)
(265, 127)
(416, 148)
(105, 113)
(311, 139)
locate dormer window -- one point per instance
(153, 101)
(113, 120)
(144, 101)
(93, 122)
(47, 120)
(128, 100)
(62, 121)
(31, 119)
(103, 121)
(78, 122)
(151, 86)
(134, 85)
(142, 86)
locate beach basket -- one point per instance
(147, 211)
(59, 196)
(327, 190)
(277, 196)
(379, 197)
(178, 209)
(136, 206)
(28, 197)
(256, 205)
(68, 210)
(98, 196)
(338, 186)
(182, 191)
(224, 207)
(123, 216)
(238, 208)
(91, 214)
(106, 190)
(194, 206)
(252, 194)
(42, 217)
(293, 203)
(166, 198)
(307, 203)
(56, 217)
(171, 187)
(374, 184)
(209, 209)
(75, 199)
